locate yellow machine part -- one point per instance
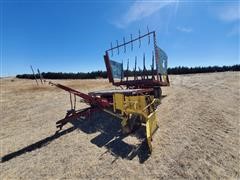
(140, 105)
(151, 127)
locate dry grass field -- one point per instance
(198, 135)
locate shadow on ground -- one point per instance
(110, 137)
(36, 145)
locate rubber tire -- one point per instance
(157, 92)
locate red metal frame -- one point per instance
(99, 100)
(108, 67)
(92, 101)
(136, 83)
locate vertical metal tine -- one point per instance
(135, 68)
(117, 46)
(140, 72)
(40, 76)
(153, 65)
(111, 50)
(122, 72)
(71, 100)
(139, 33)
(144, 67)
(135, 63)
(131, 43)
(127, 69)
(74, 107)
(34, 74)
(148, 36)
(124, 44)
(153, 60)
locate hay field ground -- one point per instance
(198, 135)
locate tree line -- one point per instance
(103, 74)
(193, 70)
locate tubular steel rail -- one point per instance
(143, 81)
(92, 101)
(131, 41)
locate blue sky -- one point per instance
(71, 36)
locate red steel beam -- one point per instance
(108, 67)
(93, 101)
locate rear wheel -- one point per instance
(157, 92)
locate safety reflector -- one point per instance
(162, 61)
(117, 69)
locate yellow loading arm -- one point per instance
(143, 106)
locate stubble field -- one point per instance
(198, 135)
